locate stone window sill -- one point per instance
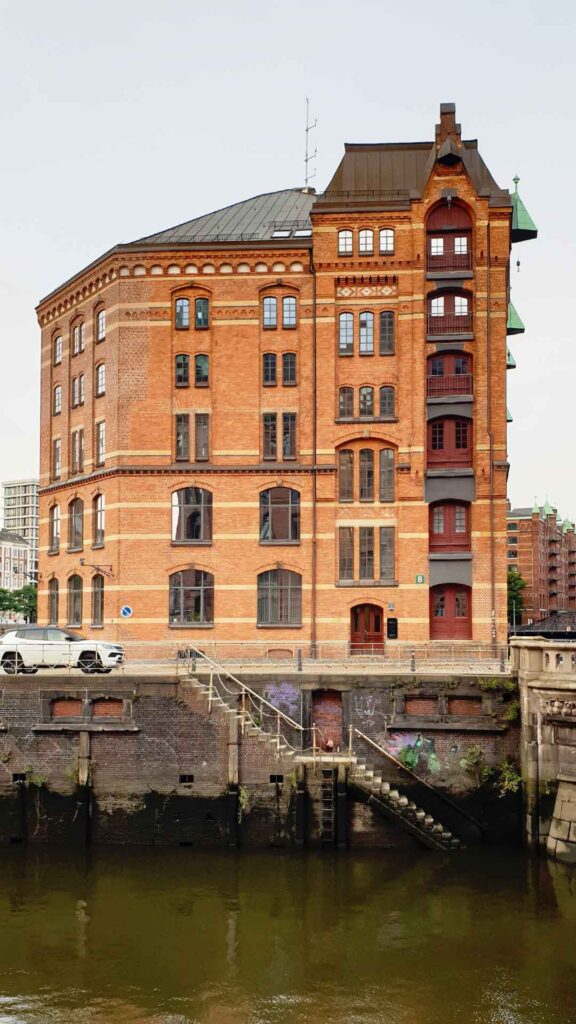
(190, 625)
(366, 583)
(278, 625)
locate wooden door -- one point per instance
(450, 442)
(366, 629)
(450, 612)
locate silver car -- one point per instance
(28, 648)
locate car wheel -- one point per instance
(89, 662)
(12, 664)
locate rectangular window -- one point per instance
(269, 368)
(182, 317)
(101, 325)
(56, 459)
(366, 553)
(461, 245)
(289, 369)
(201, 371)
(269, 312)
(202, 438)
(345, 243)
(461, 434)
(288, 435)
(386, 333)
(460, 520)
(438, 437)
(386, 241)
(270, 447)
(346, 476)
(366, 475)
(346, 553)
(288, 311)
(201, 314)
(345, 334)
(366, 242)
(387, 538)
(183, 437)
(100, 380)
(75, 392)
(438, 520)
(366, 334)
(81, 389)
(77, 461)
(182, 371)
(100, 443)
(436, 246)
(57, 400)
(460, 305)
(57, 351)
(437, 306)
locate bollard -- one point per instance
(299, 659)
(412, 661)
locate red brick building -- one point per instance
(285, 421)
(542, 548)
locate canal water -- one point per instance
(148, 936)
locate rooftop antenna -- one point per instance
(308, 157)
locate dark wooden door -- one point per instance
(366, 629)
(450, 612)
(450, 442)
(327, 718)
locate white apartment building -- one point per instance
(15, 560)
(21, 514)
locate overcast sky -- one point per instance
(122, 118)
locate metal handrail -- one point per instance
(422, 781)
(246, 689)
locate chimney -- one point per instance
(447, 129)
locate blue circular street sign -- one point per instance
(126, 611)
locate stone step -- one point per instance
(385, 787)
(403, 801)
(428, 820)
(394, 795)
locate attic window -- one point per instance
(281, 233)
(303, 233)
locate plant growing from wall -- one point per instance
(473, 763)
(243, 802)
(505, 779)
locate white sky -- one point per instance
(122, 118)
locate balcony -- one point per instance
(449, 262)
(450, 384)
(449, 325)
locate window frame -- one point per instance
(279, 591)
(346, 475)
(366, 477)
(366, 333)
(182, 313)
(198, 382)
(366, 402)
(346, 333)
(200, 583)
(75, 600)
(97, 600)
(269, 313)
(289, 322)
(100, 442)
(345, 242)
(201, 313)
(269, 369)
(386, 333)
(366, 242)
(100, 380)
(201, 437)
(57, 350)
(75, 525)
(54, 529)
(386, 249)
(287, 383)
(53, 602)
(181, 510)
(100, 326)
(387, 397)
(290, 508)
(346, 402)
(57, 400)
(98, 520)
(182, 370)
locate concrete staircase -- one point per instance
(384, 798)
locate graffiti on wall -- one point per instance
(286, 698)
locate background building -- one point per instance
(542, 547)
(15, 559)
(21, 514)
(285, 421)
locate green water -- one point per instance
(137, 936)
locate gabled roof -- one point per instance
(6, 537)
(257, 219)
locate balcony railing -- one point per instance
(450, 323)
(449, 261)
(450, 384)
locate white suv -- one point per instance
(28, 648)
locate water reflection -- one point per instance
(143, 936)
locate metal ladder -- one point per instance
(328, 808)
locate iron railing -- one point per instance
(450, 384)
(449, 261)
(449, 323)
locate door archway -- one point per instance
(366, 629)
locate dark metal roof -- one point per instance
(554, 627)
(12, 538)
(390, 174)
(255, 219)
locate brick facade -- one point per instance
(542, 548)
(138, 285)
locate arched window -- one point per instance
(345, 334)
(57, 400)
(269, 312)
(345, 475)
(288, 369)
(76, 525)
(75, 601)
(54, 530)
(98, 520)
(191, 598)
(100, 379)
(366, 242)
(450, 442)
(449, 526)
(289, 316)
(387, 403)
(53, 594)
(191, 516)
(346, 403)
(386, 241)
(182, 314)
(201, 370)
(366, 474)
(279, 598)
(182, 367)
(366, 346)
(449, 313)
(101, 325)
(386, 333)
(201, 314)
(279, 515)
(449, 233)
(57, 350)
(386, 468)
(269, 377)
(366, 401)
(449, 373)
(345, 243)
(77, 339)
(98, 600)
